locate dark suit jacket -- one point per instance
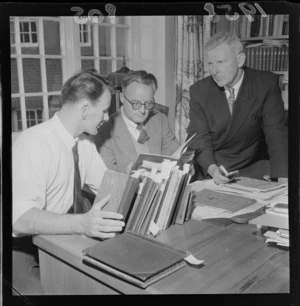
(234, 140)
(115, 143)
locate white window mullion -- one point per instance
(114, 48)
(96, 46)
(63, 48)
(72, 46)
(128, 51)
(20, 73)
(43, 69)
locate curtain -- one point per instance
(191, 35)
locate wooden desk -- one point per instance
(237, 260)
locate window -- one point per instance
(46, 51)
(109, 44)
(85, 34)
(37, 71)
(28, 32)
(34, 116)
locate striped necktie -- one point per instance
(80, 204)
(143, 134)
(231, 98)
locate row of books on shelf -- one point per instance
(268, 58)
(261, 26)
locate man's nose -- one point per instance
(214, 69)
(106, 117)
(142, 109)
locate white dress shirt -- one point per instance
(43, 168)
(131, 126)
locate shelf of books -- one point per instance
(265, 40)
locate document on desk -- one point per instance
(135, 258)
(267, 195)
(209, 204)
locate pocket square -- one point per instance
(256, 116)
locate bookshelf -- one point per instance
(266, 44)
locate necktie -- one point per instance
(231, 98)
(143, 134)
(80, 204)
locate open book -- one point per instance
(135, 258)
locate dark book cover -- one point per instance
(136, 258)
(180, 217)
(177, 202)
(138, 206)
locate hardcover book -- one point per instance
(135, 258)
(122, 188)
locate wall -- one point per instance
(153, 50)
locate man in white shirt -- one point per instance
(44, 169)
(137, 127)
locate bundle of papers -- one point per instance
(248, 187)
(280, 237)
(277, 223)
(213, 204)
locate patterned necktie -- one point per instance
(143, 134)
(80, 204)
(231, 98)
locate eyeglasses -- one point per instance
(137, 105)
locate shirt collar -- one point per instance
(63, 133)
(130, 124)
(237, 85)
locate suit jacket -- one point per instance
(234, 140)
(115, 144)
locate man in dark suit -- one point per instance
(232, 109)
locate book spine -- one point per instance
(266, 33)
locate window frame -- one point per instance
(81, 35)
(29, 21)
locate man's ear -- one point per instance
(122, 97)
(241, 59)
(85, 108)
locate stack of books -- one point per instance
(276, 221)
(153, 197)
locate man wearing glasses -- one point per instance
(136, 128)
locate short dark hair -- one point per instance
(139, 76)
(226, 38)
(86, 84)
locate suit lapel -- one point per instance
(123, 138)
(241, 107)
(218, 105)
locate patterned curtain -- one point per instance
(192, 34)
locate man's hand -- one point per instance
(215, 172)
(99, 223)
(283, 180)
